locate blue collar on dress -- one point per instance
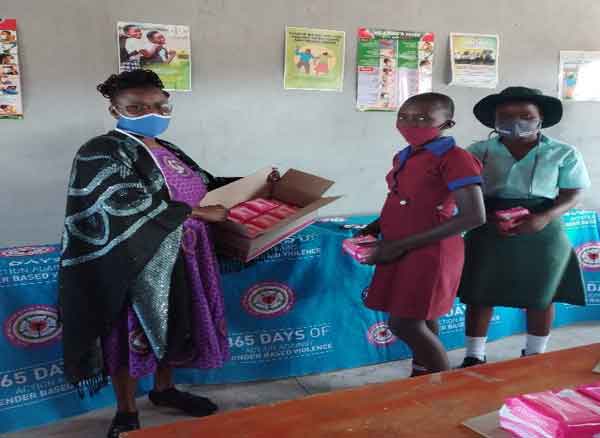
(438, 147)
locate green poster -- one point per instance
(164, 49)
(391, 67)
(314, 59)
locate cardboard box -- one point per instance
(295, 187)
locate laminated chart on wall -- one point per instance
(391, 67)
(163, 48)
(578, 76)
(314, 59)
(474, 60)
(11, 103)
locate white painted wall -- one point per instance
(239, 118)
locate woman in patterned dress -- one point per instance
(139, 283)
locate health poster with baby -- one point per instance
(314, 59)
(163, 48)
(391, 67)
(578, 76)
(11, 106)
(474, 60)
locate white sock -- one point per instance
(476, 347)
(536, 344)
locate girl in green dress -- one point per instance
(530, 264)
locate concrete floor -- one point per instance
(231, 397)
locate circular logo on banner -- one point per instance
(33, 326)
(26, 251)
(138, 342)
(380, 334)
(589, 256)
(177, 166)
(268, 300)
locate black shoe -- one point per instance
(523, 354)
(191, 404)
(419, 373)
(472, 362)
(123, 422)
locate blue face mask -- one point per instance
(148, 125)
(518, 128)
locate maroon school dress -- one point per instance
(423, 283)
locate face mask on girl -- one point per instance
(418, 136)
(518, 128)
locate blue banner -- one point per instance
(297, 310)
(33, 390)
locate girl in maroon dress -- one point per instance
(434, 195)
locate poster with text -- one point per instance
(474, 60)
(578, 76)
(391, 67)
(314, 59)
(162, 48)
(11, 106)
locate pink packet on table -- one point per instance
(242, 213)
(265, 221)
(559, 416)
(579, 399)
(359, 253)
(591, 390)
(283, 211)
(261, 205)
(582, 414)
(519, 427)
(522, 412)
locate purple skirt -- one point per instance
(127, 346)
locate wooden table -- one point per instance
(429, 406)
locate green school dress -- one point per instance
(533, 270)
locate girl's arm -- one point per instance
(566, 200)
(471, 214)
(373, 229)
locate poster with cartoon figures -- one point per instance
(314, 59)
(392, 66)
(162, 48)
(11, 106)
(474, 60)
(578, 76)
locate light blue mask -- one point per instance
(518, 128)
(148, 125)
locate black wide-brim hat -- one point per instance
(551, 107)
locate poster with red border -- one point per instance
(392, 66)
(11, 106)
